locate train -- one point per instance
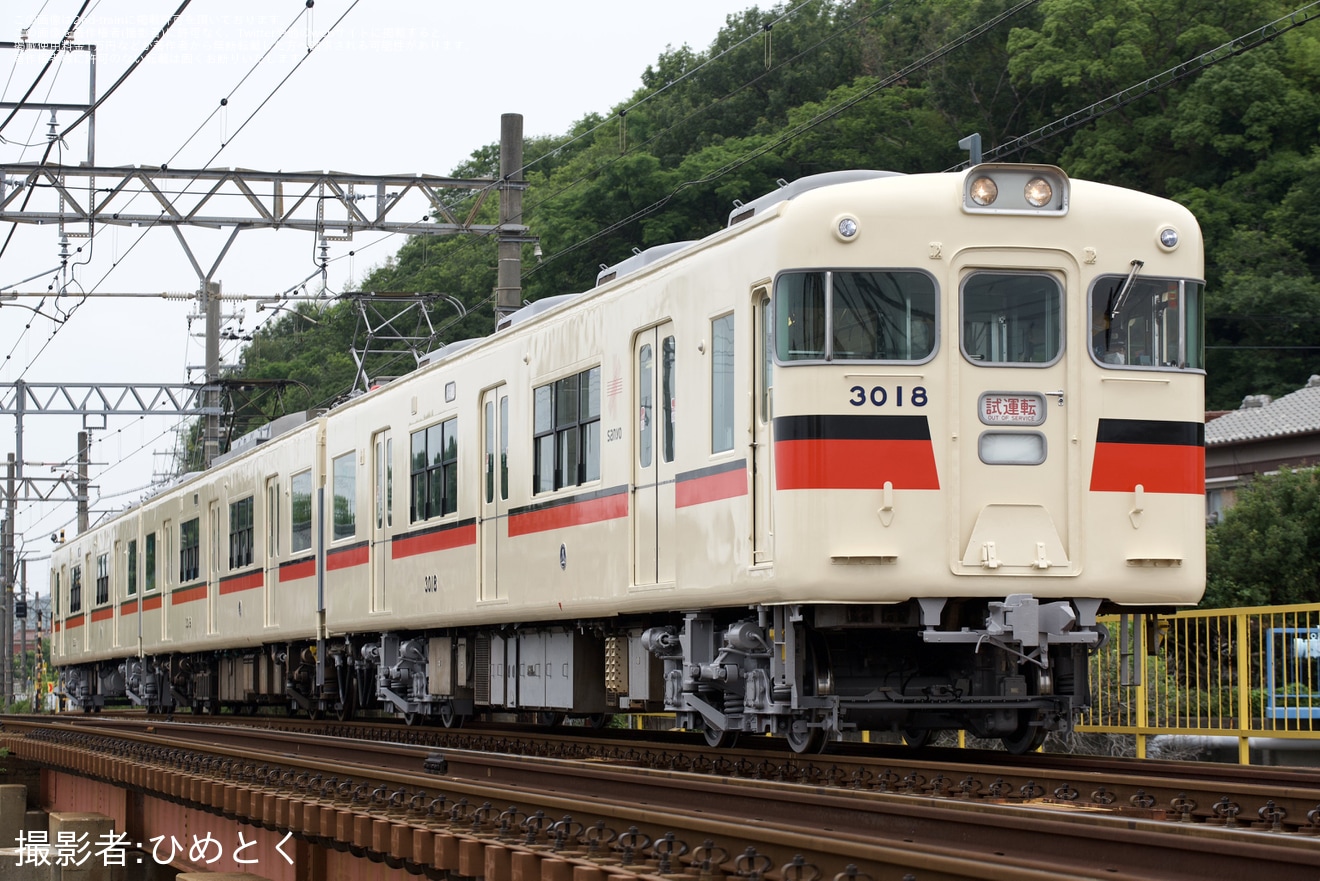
(875, 455)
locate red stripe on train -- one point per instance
(188, 595)
(711, 488)
(242, 582)
(573, 514)
(1159, 468)
(294, 571)
(440, 540)
(354, 556)
(855, 464)
(103, 614)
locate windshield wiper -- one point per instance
(1126, 289)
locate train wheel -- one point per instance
(599, 720)
(1028, 737)
(449, 718)
(718, 738)
(412, 720)
(549, 719)
(804, 739)
(346, 708)
(918, 737)
(316, 712)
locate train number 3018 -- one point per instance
(879, 396)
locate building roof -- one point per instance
(1259, 417)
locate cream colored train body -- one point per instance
(876, 454)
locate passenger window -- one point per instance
(241, 532)
(149, 563)
(869, 315)
(132, 568)
(102, 579)
(344, 471)
(300, 514)
(435, 471)
(566, 431)
(721, 384)
(190, 550)
(646, 407)
(504, 447)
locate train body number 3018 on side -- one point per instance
(880, 396)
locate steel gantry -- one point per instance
(332, 205)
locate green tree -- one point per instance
(1263, 551)
(790, 90)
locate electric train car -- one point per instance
(873, 456)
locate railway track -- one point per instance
(1262, 797)
(660, 807)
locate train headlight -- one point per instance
(1038, 192)
(1168, 238)
(1009, 188)
(846, 228)
(984, 191)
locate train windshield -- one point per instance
(1012, 318)
(870, 315)
(1154, 323)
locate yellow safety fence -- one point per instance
(1241, 673)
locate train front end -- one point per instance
(985, 397)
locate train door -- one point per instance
(1015, 415)
(654, 363)
(494, 488)
(762, 452)
(271, 564)
(382, 516)
(213, 573)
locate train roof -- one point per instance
(638, 260)
(532, 309)
(786, 191)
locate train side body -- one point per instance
(876, 454)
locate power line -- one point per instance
(51, 145)
(708, 108)
(160, 34)
(799, 129)
(1223, 52)
(59, 47)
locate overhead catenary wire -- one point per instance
(52, 144)
(797, 130)
(705, 109)
(302, 59)
(147, 228)
(68, 36)
(707, 178)
(708, 108)
(1223, 52)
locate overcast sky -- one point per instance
(392, 86)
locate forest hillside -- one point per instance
(1213, 103)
